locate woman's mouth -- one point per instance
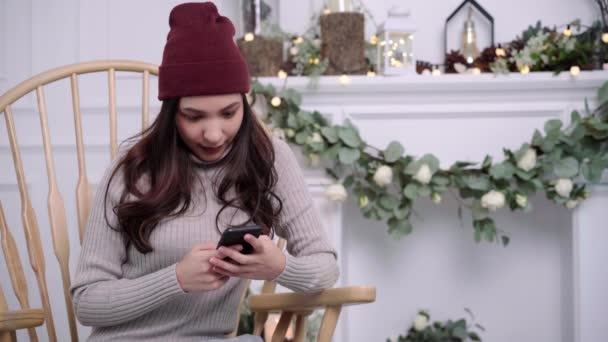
(212, 150)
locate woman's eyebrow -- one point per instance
(198, 111)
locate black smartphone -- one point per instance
(236, 236)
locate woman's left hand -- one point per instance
(266, 262)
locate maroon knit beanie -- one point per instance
(200, 56)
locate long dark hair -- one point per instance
(163, 159)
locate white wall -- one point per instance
(521, 293)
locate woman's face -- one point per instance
(209, 123)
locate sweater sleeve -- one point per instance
(100, 294)
(312, 261)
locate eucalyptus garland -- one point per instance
(386, 182)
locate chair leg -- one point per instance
(8, 336)
(300, 334)
(328, 325)
(281, 329)
(258, 322)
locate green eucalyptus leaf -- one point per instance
(349, 136)
(393, 152)
(553, 126)
(399, 228)
(301, 137)
(411, 191)
(440, 180)
(537, 138)
(332, 152)
(401, 212)
(487, 162)
(330, 133)
(602, 94)
(388, 202)
(479, 182)
(503, 170)
(566, 168)
(348, 155)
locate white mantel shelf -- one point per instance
(536, 86)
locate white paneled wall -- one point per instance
(534, 290)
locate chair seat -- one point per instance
(21, 319)
(297, 302)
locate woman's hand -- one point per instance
(266, 262)
(194, 272)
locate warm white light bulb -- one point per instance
(567, 31)
(298, 40)
(276, 101)
(282, 74)
(249, 37)
(344, 79)
(605, 37)
(371, 73)
(326, 11)
(500, 52)
(524, 69)
(436, 72)
(575, 70)
(476, 71)
(373, 40)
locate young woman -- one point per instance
(149, 269)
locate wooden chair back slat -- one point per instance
(83, 188)
(30, 226)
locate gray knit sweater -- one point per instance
(141, 300)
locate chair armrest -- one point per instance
(296, 302)
(26, 318)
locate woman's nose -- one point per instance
(212, 135)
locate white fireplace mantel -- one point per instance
(463, 117)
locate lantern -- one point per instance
(396, 44)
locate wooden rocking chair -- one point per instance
(289, 304)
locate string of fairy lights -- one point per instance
(345, 79)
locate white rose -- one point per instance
(563, 186)
(421, 322)
(363, 201)
(315, 160)
(493, 200)
(336, 192)
(521, 200)
(383, 175)
(290, 132)
(315, 138)
(528, 160)
(436, 198)
(279, 133)
(571, 204)
(424, 174)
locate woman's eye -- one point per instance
(192, 118)
(228, 115)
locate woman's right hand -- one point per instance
(195, 273)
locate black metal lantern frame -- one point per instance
(478, 8)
